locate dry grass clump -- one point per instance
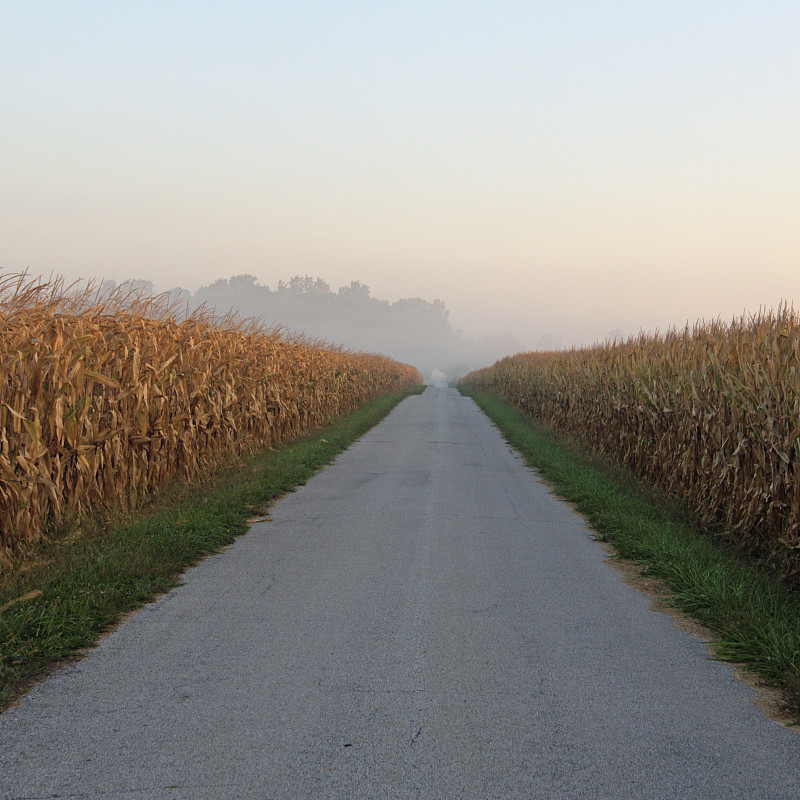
(104, 398)
(710, 413)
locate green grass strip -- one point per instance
(754, 614)
(113, 565)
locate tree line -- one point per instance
(412, 330)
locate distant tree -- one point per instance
(416, 305)
(232, 285)
(242, 283)
(138, 285)
(303, 286)
(179, 293)
(355, 291)
(412, 329)
(317, 286)
(180, 300)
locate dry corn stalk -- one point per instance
(105, 398)
(710, 413)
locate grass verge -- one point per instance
(754, 614)
(82, 580)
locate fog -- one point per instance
(412, 330)
(559, 173)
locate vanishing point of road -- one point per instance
(423, 619)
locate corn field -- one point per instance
(710, 413)
(106, 398)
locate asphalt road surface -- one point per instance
(421, 620)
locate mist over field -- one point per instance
(560, 173)
(412, 330)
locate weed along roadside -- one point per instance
(76, 584)
(752, 611)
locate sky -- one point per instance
(554, 170)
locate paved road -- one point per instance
(421, 620)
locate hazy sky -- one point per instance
(562, 168)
